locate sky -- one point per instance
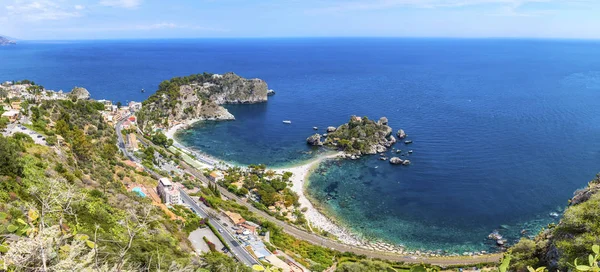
(150, 19)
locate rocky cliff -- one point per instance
(199, 97)
(78, 93)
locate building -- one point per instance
(135, 106)
(15, 105)
(132, 142)
(12, 115)
(126, 125)
(169, 192)
(107, 104)
(235, 218)
(216, 176)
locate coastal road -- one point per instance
(236, 248)
(325, 242)
(240, 253)
(322, 241)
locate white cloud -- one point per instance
(139, 27)
(426, 4)
(121, 3)
(157, 26)
(40, 10)
(79, 7)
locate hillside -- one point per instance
(199, 97)
(6, 41)
(66, 206)
(572, 238)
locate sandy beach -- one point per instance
(300, 175)
(315, 218)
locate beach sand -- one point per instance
(315, 218)
(299, 179)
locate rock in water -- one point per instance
(79, 93)
(392, 139)
(331, 129)
(383, 121)
(405, 162)
(396, 160)
(270, 92)
(401, 134)
(314, 140)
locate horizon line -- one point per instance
(316, 37)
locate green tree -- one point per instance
(218, 262)
(10, 163)
(81, 145)
(3, 122)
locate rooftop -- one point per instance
(165, 181)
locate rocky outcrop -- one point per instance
(314, 140)
(558, 246)
(401, 134)
(199, 97)
(383, 121)
(79, 93)
(396, 160)
(361, 136)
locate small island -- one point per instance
(360, 136)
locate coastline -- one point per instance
(316, 219)
(301, 172)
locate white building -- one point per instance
(135, 106)
(169, 192)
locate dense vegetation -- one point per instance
(359, 135)
(267, 188)
(73, 196)
(165, 101)
(557, 246)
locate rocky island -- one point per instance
(360, 136)
(6, 41)
(183, 100)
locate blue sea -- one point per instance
(504, 130)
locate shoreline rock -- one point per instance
(314, 140)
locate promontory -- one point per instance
(198, 97)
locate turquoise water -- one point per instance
(504, 130)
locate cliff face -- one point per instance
(199, 97)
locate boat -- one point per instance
(408, 142)
(143, 91)
(315, 128)
(287, 121)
